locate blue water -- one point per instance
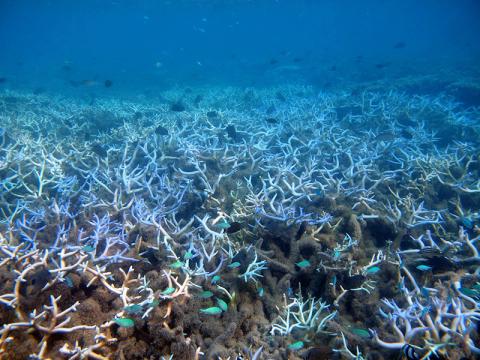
(149, 44)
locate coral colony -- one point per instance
(338, 226)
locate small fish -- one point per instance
(108, 83)
(301, 230)
(88, 248)
(271, 109)
(133, 309)
(261, 292)
(75, 83)
(234, 227)
(89, 82)
(223, 224)
(382, 65)
(3, 80)
(424, 267)
(234, 265)
(197, 99)
(38, 90)
(124, 322)
(271, 120)
(399, 45)
(216, 279)
(361, 332)
(385, 136)
(303, 264)
(212, 114)
(205, 294)
(231, 132)
(160, 130)
(177, 264)
(99, 150)
(222, 304)
(214, 310)
(409, 352)
(177, 106)
(372, 270)
(296, 346)
(188, 255)
(168, 291)
(280, 96)
(66, 67)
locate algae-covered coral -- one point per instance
(317, 225)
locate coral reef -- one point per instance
(228, 223)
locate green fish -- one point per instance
(214, 310)
(168, 291)
(133, 309)
(424, 267)
(222, 304)
(296, 345)
(188, 255)
(303, 264)
(223, 225)
(206, 294)
(372, 270)
(124, 322)
(234, 265)
(216, 279)
(360, 332)
(177, 264)
(88, 248)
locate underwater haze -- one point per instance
(239, 179)
(148, 44)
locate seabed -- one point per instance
(227, 223)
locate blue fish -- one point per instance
(424, 267)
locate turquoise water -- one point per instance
(239, 180)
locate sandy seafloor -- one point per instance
(270, 223)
